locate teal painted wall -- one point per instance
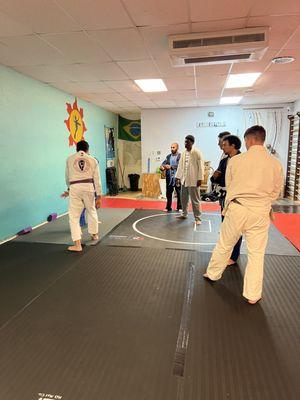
(34, 146)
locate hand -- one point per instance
(64, 194)
(216, 174)
(162, 168)
(167, 166)
(199, 183)
(98, 202)
(177, 182)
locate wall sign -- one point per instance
(215, 124)
(75, 123)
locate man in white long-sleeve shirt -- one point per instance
(190, 173)
(83, 183)
(253, 180)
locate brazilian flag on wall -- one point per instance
(129, 130)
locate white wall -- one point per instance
(161, 127)
(297, 106)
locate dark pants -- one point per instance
(237, 248)
(169, 192)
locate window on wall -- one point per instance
(292, 188)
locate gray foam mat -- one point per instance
(146, 228)
(58, 231)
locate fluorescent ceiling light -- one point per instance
(241, 80)
(151, 85)
(230, 100)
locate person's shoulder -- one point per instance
(276, 163)
(237, 158)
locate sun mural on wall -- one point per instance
(75, 123)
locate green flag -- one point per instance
(129, 130)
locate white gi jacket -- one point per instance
(255, 179)
(195, 168)
(80, 166)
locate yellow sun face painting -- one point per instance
(75, 123)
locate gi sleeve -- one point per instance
(67, 175)
(278, 182)
(97, 180)
(200, 172)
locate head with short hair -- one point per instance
(256, 135)
(231, 145)
(221, 137)
(174, 148)
(189, 141)
(82, 146)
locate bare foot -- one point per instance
(198, 222)
(75, 248)
(95, 237)
(231, 262)
(253, 301)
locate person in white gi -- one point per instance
(253, 180)
(83, 182)
(190, 173)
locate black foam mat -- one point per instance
(144, 228)
(241, 351)
(26, 270)
(105, 330)
(108, 328)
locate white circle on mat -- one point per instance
(134, 226)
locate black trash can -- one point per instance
(112, 181)
(134, 182)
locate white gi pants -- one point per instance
(78, 200)
(254, 227)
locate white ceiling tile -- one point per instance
(254, 66)
(136, 96)
(156, 38)
(124, 104)
(27, 50)
(186, 103)
(9, 27)
(95, 14)
(165, 103)
(224, 9)
(208, 94)
(219, 25)
(157, 12)
(294, 42)
(220, 69)
(281, 28)
(183, 83)
(116, 43)
(94, 72)
(183, 94)
(113, 97)
(44, 73)
(275, 7)
(209, 102)
(95, 87)
(208, 82)
(294, 66)
(140, 69)
(168, 71)
(39, 15)
(123, 86)
(69, 87)
(77, 47)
